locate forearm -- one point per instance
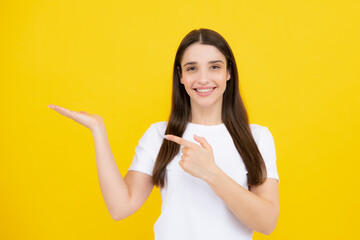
(113, 187)
(255, 212)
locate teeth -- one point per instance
(204, 90)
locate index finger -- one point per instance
(180, 141)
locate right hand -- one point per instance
(88, 120)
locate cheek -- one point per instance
(188, 80)
(220, 78)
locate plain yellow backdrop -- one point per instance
(299, 76)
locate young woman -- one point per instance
(216, 172)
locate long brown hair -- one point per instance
(234, 114)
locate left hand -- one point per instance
(196, 160)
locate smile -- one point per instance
(204, 92)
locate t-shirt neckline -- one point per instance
(206, 126)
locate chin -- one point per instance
(205, 103)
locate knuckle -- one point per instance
(182, 162)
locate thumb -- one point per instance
(202, 142)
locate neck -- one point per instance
(206, 115)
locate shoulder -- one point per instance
(260, 132)
(267, 149)
(154, 134)
(158, 128)
(152, 139)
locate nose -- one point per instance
(203, 77)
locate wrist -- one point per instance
(212, 174)
(98, 129)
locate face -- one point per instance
(204, 74)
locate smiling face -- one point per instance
(204, 75)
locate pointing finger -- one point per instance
(180, 141)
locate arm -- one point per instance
(113, 187)
(123, 197)
(258, 208)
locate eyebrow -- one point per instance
(190, 63)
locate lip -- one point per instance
(204, 94)
(203, 87)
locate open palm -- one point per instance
(86, 119)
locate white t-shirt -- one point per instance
(190, 209)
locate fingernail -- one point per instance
(166, 137)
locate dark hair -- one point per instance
(233, 113)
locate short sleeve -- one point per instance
(267, 150)
(144, 158)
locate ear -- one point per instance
(228, 72)
(179, 73)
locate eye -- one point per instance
(215, 67)
(190, 68)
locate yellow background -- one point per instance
(299, 76)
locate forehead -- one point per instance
(201, 53)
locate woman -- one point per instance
(216, 172)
